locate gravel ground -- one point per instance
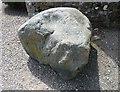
(19, 72)
(0, 46)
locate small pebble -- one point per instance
(109, 71)
(86, 12)
(105, 7)
(107, 78)
(96, 8)
(47, 88)
(96, 29)
(76, 89)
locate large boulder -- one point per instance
(59, 37)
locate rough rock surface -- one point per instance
(59, 37)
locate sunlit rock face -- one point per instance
(59, 37)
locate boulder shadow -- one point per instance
(109, 43)
(14, 10)
(88, 79)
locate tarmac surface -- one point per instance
(19, 72)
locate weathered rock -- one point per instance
(59, 37)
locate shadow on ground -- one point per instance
(14, 11)
(87, 80)
(109, 43)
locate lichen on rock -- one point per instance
(59, 37)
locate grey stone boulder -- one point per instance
(59, 37)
